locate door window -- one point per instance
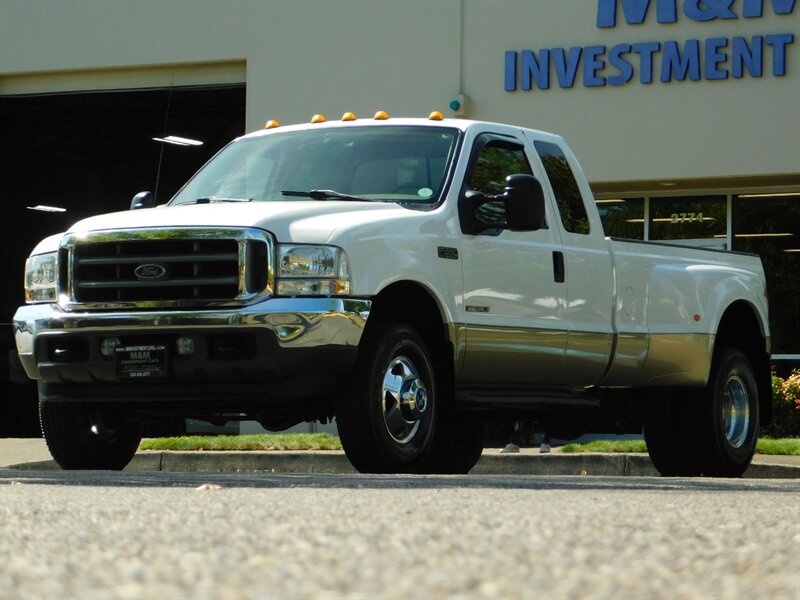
(497, 160)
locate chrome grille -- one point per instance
(165, 267)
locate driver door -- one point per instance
(512, 303)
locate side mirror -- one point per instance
(142, 200)
(524, 199)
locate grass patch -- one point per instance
(607, 446)
(782, 446)
(265, 441)
(326, 441)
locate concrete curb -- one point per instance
(616, 464)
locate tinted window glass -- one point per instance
(565, 188)
(496, 161)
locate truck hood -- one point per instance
(302, 221)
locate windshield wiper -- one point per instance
(327, 195)
(211, 199)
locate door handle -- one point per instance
(558, 266)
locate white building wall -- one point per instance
(409, 57)
(636, 131)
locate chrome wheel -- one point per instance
(712, 431)
(387, 412)
(404, 399)
(736, 411)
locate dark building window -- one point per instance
(88, 153)
(622, 218)
(701, 220)
(769, 225)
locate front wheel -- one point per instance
(87, 435)
(387, 413)
(458, 443)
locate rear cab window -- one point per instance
(569, 200)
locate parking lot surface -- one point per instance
(177, 535)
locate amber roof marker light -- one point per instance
(349, 116)
(436, 116)
(381, 115)
(318, 119)
(272, 124)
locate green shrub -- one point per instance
(785, 406)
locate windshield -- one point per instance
(406, 164)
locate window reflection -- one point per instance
(496, 161)
(565, 187)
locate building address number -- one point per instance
(686, 217)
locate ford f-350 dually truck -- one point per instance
(415, 279)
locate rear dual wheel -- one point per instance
(712, 431)
(729, 416)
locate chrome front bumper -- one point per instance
(297, 323)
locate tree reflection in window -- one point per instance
(565, 187)
(496, 161)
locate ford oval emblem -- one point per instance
(150, 272)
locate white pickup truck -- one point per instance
(413, 278)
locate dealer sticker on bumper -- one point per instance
(141, 362)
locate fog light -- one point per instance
(109, 345)
(185, 345)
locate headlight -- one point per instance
(40, 278)
(312, 271)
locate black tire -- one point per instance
(712, 431)
(458, 442)
(83, 435)
(386, 414)
(670, 432)
(729, 417)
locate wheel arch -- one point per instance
(741, 327)
(415, 304)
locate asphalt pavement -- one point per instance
(95, 534)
